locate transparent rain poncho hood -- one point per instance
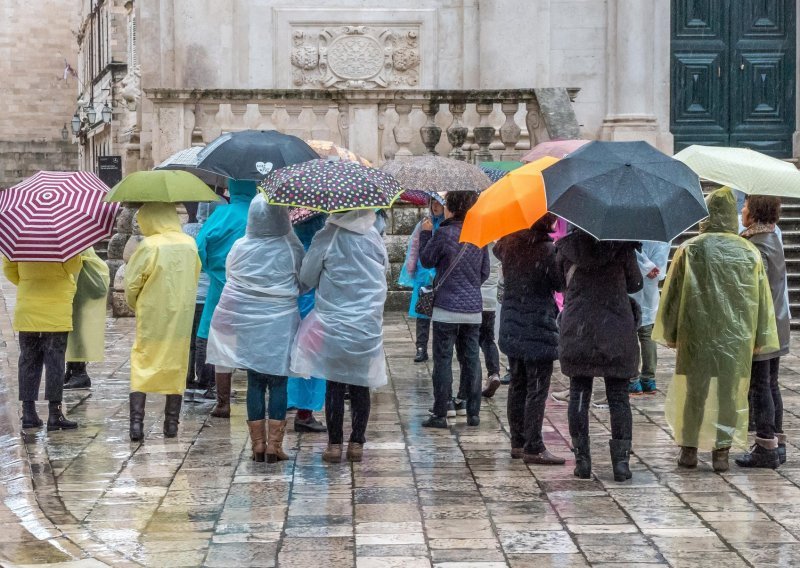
(342, 337)
(716, 310)
(257, 315)
(161, 287)
(87, 339)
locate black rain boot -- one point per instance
(781, 447)
(764, 453)
(77, 377)
(56, 419)
(29, 417)
(421, 355)
(136, 401)
(583, 458)
(172, 412)
(620, 454)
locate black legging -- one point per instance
(334, 411)
(619, 406)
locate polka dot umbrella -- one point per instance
(52, 216)
(331, 186)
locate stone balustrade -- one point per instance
(376, 124)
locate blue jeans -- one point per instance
(257, 384)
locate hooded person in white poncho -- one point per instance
(257, 317)
(342, 338)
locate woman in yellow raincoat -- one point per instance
(716, 311)
(43, 319)
(160, 286)
(86, 341)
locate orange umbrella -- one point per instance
(514, 203)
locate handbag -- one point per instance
(424, 305)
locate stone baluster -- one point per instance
(320, 129)
(536, 129)
(224, 118)
(457, 132)
(238, 111)
(265, 111)
(294, 127)
(196, 137)
(252, 117)
(510, 131)
(484, 132)
(430, 132)
(403, 132)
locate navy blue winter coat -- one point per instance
(461, 291)
(528, 328)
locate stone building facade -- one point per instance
(36, 39)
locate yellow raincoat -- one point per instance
(45, 291)
(87, 339)
(160, 286)
(716, 310)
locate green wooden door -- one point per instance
(733, 74)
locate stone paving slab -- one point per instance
(446, 498)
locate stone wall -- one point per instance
(22, 159)
(35, 39)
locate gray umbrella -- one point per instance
(186, 160)
(437, 174)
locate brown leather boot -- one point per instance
(687, 457)
(719, 459)
(223, 407)
(275, 441)
(258, 434)
(355, 451)
(333, 453)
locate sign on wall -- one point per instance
(109, 169)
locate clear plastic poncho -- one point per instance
(86, 341)
(342, 337)
(257, 315)
(161, 287)
(716, 310)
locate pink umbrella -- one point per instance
(555, 148)
(52, 216)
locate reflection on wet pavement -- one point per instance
(421, 497)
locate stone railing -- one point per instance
(376, 124)
(478, 126)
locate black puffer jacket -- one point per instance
(528, 327)
(461, 291)
(599, 321)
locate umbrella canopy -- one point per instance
(506, 165)
(252, 154)
(327, 150)
(493, 174)
(186, 160)
(322, 185)
(513, 203)
(554, 148)
(166, 186)
(625, 191)
(52, 216)
(437, 174)
(744, 169)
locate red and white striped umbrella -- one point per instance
(52, 216)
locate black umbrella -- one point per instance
(252, 154)
(626, 191)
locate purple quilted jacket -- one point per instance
(461, 291)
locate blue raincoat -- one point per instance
(224, 227)
(307, 394)
(419, 276)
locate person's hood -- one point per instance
(265, 220)
(358, 220)
(583, 250)
(158, 218)
(722, 213)
(241, 190)
(305, 230)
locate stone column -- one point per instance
(631, 72)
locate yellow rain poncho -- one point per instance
(45, 291)
(160, 286)
(87, 339)
(716, 311)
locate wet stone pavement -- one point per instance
(447, 498)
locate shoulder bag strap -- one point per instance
(451, 267)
